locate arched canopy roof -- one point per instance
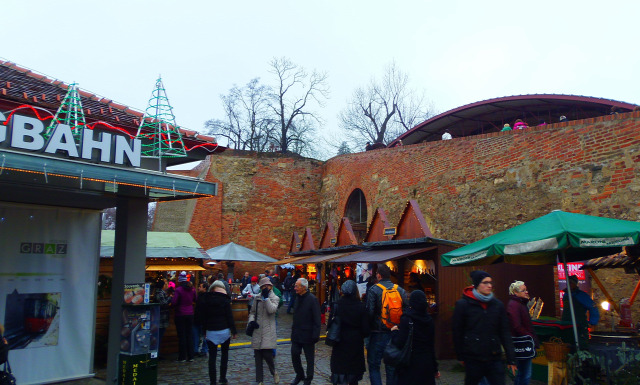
(490, 115)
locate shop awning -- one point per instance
(56, 173)
(374, 256)
(174, 268)
(160, 244)
(322, 258)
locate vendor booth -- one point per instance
(65, 155)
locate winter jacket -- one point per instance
(252, 290)
(265, 336)
(519, 319)
(481, 329)
(213, 312)
(244, 282)
(183, 299)
(306, 320)
(374, 305)
(423, 365)
(582, 304)
(347, 356)
(289, 282)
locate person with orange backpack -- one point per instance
(385, 302)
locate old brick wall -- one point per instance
(470, 188)
(262, 199)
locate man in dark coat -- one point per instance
(380, 334)
(305, 331)
(246, 279)
(480, 331)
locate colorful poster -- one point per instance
(48, 288)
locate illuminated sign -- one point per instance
(26, 133)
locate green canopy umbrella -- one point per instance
(573, 237)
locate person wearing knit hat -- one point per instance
(481, 332)
(423, 367)
(582, 304)
(183, 299)
(347, 356)
(251, 291)
(182, 277)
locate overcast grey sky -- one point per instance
(458, 51)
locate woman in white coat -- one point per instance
(264, 339)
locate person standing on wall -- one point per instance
(380, 328)
(481, 331)
(521, 325)
(305, 332)
(183, 299)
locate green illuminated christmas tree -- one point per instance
(158, 129)
(70, 113)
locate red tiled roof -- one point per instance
(24, 86)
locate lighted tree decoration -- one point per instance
(158, 129)
(70, 113)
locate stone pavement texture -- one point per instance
(241, 365)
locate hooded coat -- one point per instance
(347, 356)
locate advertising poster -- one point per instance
(48, 287)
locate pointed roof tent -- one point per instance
(295, 244)
(307, 241)
(412, 223)
(328, 236)
(345, 237)
(379, 222)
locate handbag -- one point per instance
(253, 325)
(524, 347)
(399, 356)
(333, 333)
(6, 377)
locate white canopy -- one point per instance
(236, 253)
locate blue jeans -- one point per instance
(197, 337)
(375, 351)
(523, 377)
(286, 296)
(292, 303)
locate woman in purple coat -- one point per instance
(182, 301)
(520, 323)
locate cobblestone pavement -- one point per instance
(241, 365)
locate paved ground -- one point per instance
(241, 365)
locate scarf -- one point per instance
(482, 297)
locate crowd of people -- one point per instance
(484, 330)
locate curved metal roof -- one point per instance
(490, 115)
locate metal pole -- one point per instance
(573, 315)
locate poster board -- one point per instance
(48, 288)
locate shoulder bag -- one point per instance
(333, 333)
(524, 347)
(399, 356)
(253, 325)
(6, 377)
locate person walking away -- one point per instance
(582, 304)
(227, 287)
(521, 325)
(264, 339)
(213, 314)
(423, 366)
(251, 291)
(347, 356)
(289, 281)
(182, 301)
(305, 332)
(393, 298)
(481, 331)
(161, 297)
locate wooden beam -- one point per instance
(635, 293)
(604, 291)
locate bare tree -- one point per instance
(293, 98)
(384, 109)
(248, 124)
